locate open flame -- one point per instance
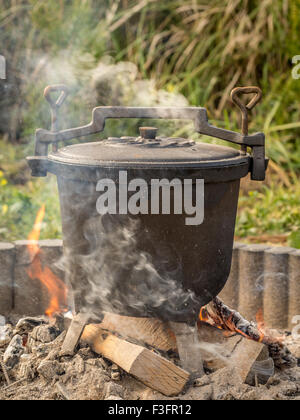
(261, 326)
(227, 322)
(220, 316)
(56, 288)
(260, 323)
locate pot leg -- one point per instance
(188, 348)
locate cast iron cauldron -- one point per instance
(148, 264)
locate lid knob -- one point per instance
(148, 133)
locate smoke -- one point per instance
(91, 83)
(216, 351)
(264, 367)
(119, 84)
(114, 272)
(121, 276)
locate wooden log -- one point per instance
(150, 331)
(221, 316)
(153, 370)
(74, 333)
(249, 357)
(245, 356)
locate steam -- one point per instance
(120, 84)
(122, 278)
(116, 275)
(277, 278)
(215, 350)
(91, 84)
(264, 367)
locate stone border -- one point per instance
(265, 278)
(262, 277)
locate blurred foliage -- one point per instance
(199, 49)
(19, 203)
(274, 209)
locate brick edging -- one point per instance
(267, 278)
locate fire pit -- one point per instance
(166, 259)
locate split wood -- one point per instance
(147, 366)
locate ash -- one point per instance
(32, 369)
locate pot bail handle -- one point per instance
(245, 108)
(55, 105)
(258, 152)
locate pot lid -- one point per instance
(148, 150)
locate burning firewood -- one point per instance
(217, 314)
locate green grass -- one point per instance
(19, 205)
(274, 210)
(21, 197)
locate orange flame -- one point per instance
(260, 324)
(229, 324)
(265, 331)
(56, 288)
(203, 317)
